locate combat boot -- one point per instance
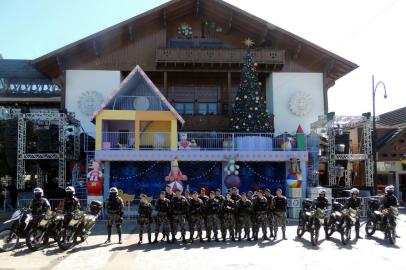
(216, 238)
(184, 238)
(140, 241)
(239, 237)
(149, 238)
(357, 234)
(284, 235)
(156, 238)
(201, 238)
(255, 236)
(275, 233)
(208, 236)
(265, 236)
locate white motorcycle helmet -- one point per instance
(38, 192)
(70, 191)
(389, 189)
(322, 192)
(113, 191)
(354, 191)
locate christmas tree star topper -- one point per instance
(249, 42)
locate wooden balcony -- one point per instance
(179, 58)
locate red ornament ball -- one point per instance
(232, 181)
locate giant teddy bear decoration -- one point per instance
(175, 177)
(94, 180)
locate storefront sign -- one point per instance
(400, 148)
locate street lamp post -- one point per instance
(374, 137)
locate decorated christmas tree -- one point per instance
(250, 113)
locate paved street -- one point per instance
(293, 254)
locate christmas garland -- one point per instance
(261, 176)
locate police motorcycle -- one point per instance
(307, 220)
(384, 220)
(21, 222)
(80, 226)
(341, 221)
(49, 226)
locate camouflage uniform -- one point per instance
(260, 207)
(244, 210)
(162, 218)
(145, 219)
(280, 205)
(204, 199)
(213, 208)
(354, 203)
(196, 219)
(179, 208)
(220, 215)
(229, 208)
(115, 206)
(270, 214)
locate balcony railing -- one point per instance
(140, 103)
(204, 141)
(222, 56)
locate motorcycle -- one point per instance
(21, 221)
(318, 221)
(340, 221)
(306, 220)
(49, 226)
(384, 220)
(80, 225)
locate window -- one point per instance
(207, 108)
(184, 108)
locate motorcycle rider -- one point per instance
(162, 206)
(389, 200)
(39, 205)
(144, 217)
(322, 203)
(70, 204)
(355, 203)
(115, 206)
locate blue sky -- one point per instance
(367, 32)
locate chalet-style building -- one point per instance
(143, 87)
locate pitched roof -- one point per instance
(19, 69)
(229, 15)
(132, 80)
(396, 118)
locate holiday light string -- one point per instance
(138, 174)
(204, 174)
(261, 176)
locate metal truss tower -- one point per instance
(64, 121)
(336, 126)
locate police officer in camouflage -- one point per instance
(39, 205)
(244, 210)
(196, 220)
(162, 206)
(355, 203)
(179, 208)
(220, 198)
(204, 198)
(115, 207)
(70, 204)
(260, 207)
(229, 209)
(280, 206)
(269, 198)
(212, 208)
(144, 217)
